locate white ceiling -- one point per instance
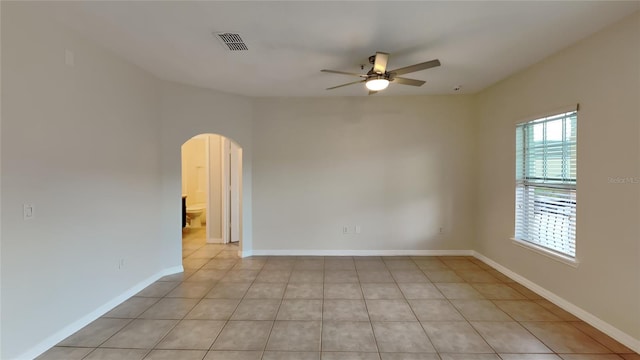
(478, 42)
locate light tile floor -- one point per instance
(335, 308)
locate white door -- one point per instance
(232, 190)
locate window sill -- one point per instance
(573, 262)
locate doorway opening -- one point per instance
(211, 192)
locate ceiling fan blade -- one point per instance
(380, 64)
(416, 67)
(405, 81)
(351, 83)
(343, 73)
(371, 92)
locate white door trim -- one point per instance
(231, 173)
(235, 192)
(224, 181)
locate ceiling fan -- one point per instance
(378, 78)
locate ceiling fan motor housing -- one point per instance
(372, 61)
(372, 76)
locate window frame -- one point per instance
(563, 189)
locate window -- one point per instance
(546, 183)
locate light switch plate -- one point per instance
(28, 211)
(69, 58)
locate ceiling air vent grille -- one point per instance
(232, 41)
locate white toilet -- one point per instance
(194, 213)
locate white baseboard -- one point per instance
(215, 241)
(619, 335)
(70, 329)
(362, 252)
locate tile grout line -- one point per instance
(366, 307)
(204, 297)
(527, 298)
(273, 324)
(191, 309)
(516, 321)
(226, 321)
(215, 282)
(464, 317)
(414, 313)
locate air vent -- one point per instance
(232, 41)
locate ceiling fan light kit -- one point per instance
(378, 78)
(377, 84)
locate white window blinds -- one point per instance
(546, 182)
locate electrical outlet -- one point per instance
(120, 264)
(358, 229)
(345, 229)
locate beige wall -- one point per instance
(602, 73)
(82, 145)
(400, 167)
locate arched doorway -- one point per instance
(211, 192)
